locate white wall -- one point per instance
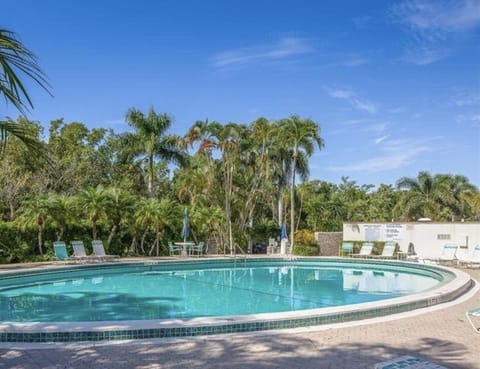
(428, 238)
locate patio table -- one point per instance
(185, 246)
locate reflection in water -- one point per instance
(211, 292)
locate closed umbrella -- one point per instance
(186, 228)
(283, 232)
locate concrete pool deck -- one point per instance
(442, 336)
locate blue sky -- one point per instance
(395, 85)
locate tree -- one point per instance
(36, 211)
(94, 203)
(16, 60)
(227, 139)
(425, 196)
(155, 215)
(150, 142)
(300, 136)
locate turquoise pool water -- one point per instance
(202, 289)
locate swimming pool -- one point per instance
(147, 300)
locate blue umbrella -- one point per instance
(186, 228)
(283, 232)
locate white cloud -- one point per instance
(424, 55)
(466, 99)
(394, 154)
(354, 100)
(355, 61)
(473, 119)
(285, 48)
(431, 23)
(381, 139)
(434, 19)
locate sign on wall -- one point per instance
(394, 232)
(372, 232)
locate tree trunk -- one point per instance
(142, 242)
(112, 234)
(40, 238)
(292, 200)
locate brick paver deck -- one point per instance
(443, 336)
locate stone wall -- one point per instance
(329, 242)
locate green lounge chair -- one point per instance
(198, 249)
(99, 250)
(346, 248)
(60, 250)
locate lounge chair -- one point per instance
(346, 248)
(448, 253)
(472, 259)
(197, 248)
(99, 250)
(60, 250)
(474, 315)
(79, 252)
(387, 252)
(365, 250)
(174, 248)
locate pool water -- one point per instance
(150, 293)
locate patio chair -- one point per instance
(365, 250)
(174, 248)
(60, 250)
(387, 252)
(474, 315)
(197, 248)
(346, 248)
(79, 252)
(472, 259)
(99, 250)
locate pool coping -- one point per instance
(151, 329)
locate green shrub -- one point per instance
(305, 237)
(306, 250)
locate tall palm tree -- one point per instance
(17, 60)
(94, 202)
(150, 141)
(299, 136)
(37, 211)
(227, 139)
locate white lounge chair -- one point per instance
(365, 250)
(474, 315)
(99, 250)
(469, 260)
(387, 252)
(79, 252)
(448, 253)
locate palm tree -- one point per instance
(37, 211)
(94, 202)
(299, 136)
(121, 202)
(227, 140)
(15, 60)
(155, 215)
(423, 197)
(151, 142)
